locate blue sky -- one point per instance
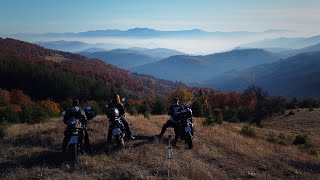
(39, 16)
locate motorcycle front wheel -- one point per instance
(188, 140)
(73, 151)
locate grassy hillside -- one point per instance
(220, 152)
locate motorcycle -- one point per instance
(186, 130)
(76, 140)
(116, 128)
(75, 131)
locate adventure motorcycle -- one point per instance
(186, 130)
(116, 127)
(75, 131)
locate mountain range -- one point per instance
(76, 46)
(145, 33)
(283, 42)
(190, 69)
(132, 57)
(297, 76)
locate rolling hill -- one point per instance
(190, 69)
(293, 52)
(132, 57)
(76, 46)
(296, 76)
(94, 69)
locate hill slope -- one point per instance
(190, 69)
(96, 69)
(123, 58)
(220, 152)
(295, 76)
(132, 57)
(294, 52)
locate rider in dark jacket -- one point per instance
(173, 121)
(116, 103)
(75, 112)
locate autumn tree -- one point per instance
(185, 95)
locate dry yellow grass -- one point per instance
(220, 152)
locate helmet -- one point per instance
(112, 113)
(75, 102)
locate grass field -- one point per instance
(220, 151)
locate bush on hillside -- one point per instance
(291, 113)
(247, 130)
(231, 115)
(132, 110)
(302, 139)
(280, 139)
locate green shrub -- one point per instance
(146, 115)
(231, 115)
(144, 108)
(216, 111)
(2, 129)
(159, 107)
(280, 139)
(219, 118)
(8, 115)
(291, 113)
(247, 130)
(245, 115)
(132, 111)
(197, 109)
(209, 120)
(302, 139)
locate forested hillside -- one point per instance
(58, 65)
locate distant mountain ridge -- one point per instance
(132, 57)
(293, 52)
(189, 69)
(147, 33)
(297, 76)
(75, 46)
(283, 42)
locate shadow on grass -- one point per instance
(142, 140)
(305, 166)
(32, 141)
(48, 159)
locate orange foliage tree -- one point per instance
(185, 95)
(50, 106)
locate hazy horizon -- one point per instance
(298, 18)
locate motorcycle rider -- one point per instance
(116, 103)
(75, 111)
(173, 121)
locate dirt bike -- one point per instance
(75, 131)
(116, 128)
(186, 126)
(76, 141)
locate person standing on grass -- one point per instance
(173, 121)
(116, 103)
